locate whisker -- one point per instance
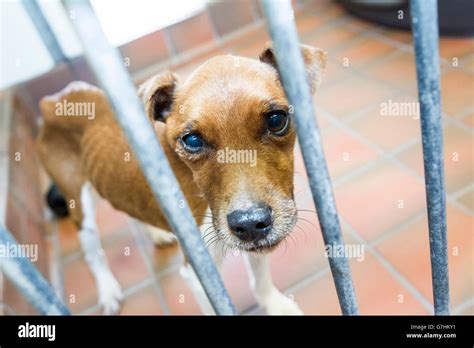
(304, 232)
(212, 241)
(307, 221)
(306, 210)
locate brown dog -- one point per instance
(229, 136)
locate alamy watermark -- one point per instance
(13, 250)
(394, 108)
(233, 156)
(75, 109)
(356, 251)
(28, 330)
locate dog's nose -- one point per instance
(251, 224)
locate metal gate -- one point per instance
(112, 76)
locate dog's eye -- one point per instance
(277, 122)
(192, 142)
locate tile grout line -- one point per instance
(461, 124)
(461, 207)
(463, 306)
(56, 269)
(391, 269)
(391, 232)
(131, 290)
(466, 111)
(5, 309)
(293, 288)
(138, 236)
(387, 156)
(105, 241)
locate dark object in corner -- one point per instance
(56, 202)
(455, 16)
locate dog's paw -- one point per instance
(110, 294)
(160, 237)
(278, 304)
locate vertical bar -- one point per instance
(114, 79)
(44, 30)
(292, 71)
(28, 280)
(424, 17)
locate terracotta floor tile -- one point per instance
(178, 296)
(399, 72)
(143, 302)
(352, 95)
(360, 24)
(402, 36)
(468, 311)
(319, 297)
(80, 288)
(332, 12)
(388, 132)
(469, 63)
(329, 40)
(258, 33)
(457, 93)
(129, 270)
(408, 251)
(308, 22)
(345, 153)
(377, 291)
(254, 45)
(364, 52)
(68, 236)
(450, 47)
(315, 6)
(303, 252)
(335, 71)
(293, 262)
(126, 261)
(236, 280)
(469, 120)
(370, 202)
(192, 32)
(321, 119)
(458, 158)
(467, 200)
(109, 220)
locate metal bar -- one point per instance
(28, 280)
(115, 80)
(44, 30)
(424, 18)
(292, 71)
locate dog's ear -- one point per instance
(314, 60)
(157, 94)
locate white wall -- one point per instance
(23, 56)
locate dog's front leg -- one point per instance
(267, 295)
(108, 288)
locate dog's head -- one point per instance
(230, 122)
